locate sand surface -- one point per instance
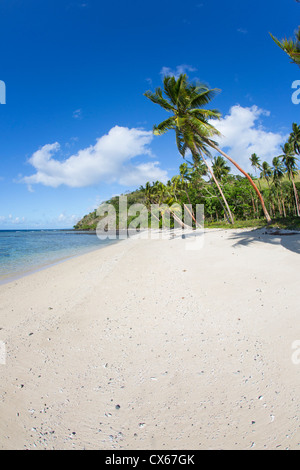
(148, 345)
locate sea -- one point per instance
(26, 251)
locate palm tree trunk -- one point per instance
(279, 205)
(296, 198)
(220, 190)
(283, 207)
(190, 212)
(182, 224)
(192, 215)
(267, 216)
(253, 205)
(224, 208)
(259, 185)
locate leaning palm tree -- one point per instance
(191, 121)
(203, 151)
(182, 101)
(290, 161)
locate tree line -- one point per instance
(195, 185)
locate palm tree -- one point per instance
(185, 179)
(294, 139)
(199, 145)
(255, 163)
(278, 175)
(214, 146)
(266, 172)
(278, 170)
(180, 100)
(191, 122)
(179, 185)
(289, 159)
(165, 201)
(220, 168)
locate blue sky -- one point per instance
(76, 128)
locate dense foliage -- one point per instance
(193, 186)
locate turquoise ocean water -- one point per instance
(22, 252)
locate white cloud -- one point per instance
(77, 114)
(109, 160)
(61, 218)
(68, 220)
(167, 71)
(134, 174)
(12, 220)
(243, 135)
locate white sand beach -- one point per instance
(148, 345)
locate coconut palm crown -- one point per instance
(189, 117)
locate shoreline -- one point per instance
(11, 277)
(147, 345)
(6, 279)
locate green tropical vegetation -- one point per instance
(194, 184)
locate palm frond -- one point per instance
(202, 127)
(206, 113)
(165, 126)
(203, 96)
(158, 98)
(181, 145)
(290, 47)
(171, 89)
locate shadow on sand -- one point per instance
(287, 239)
